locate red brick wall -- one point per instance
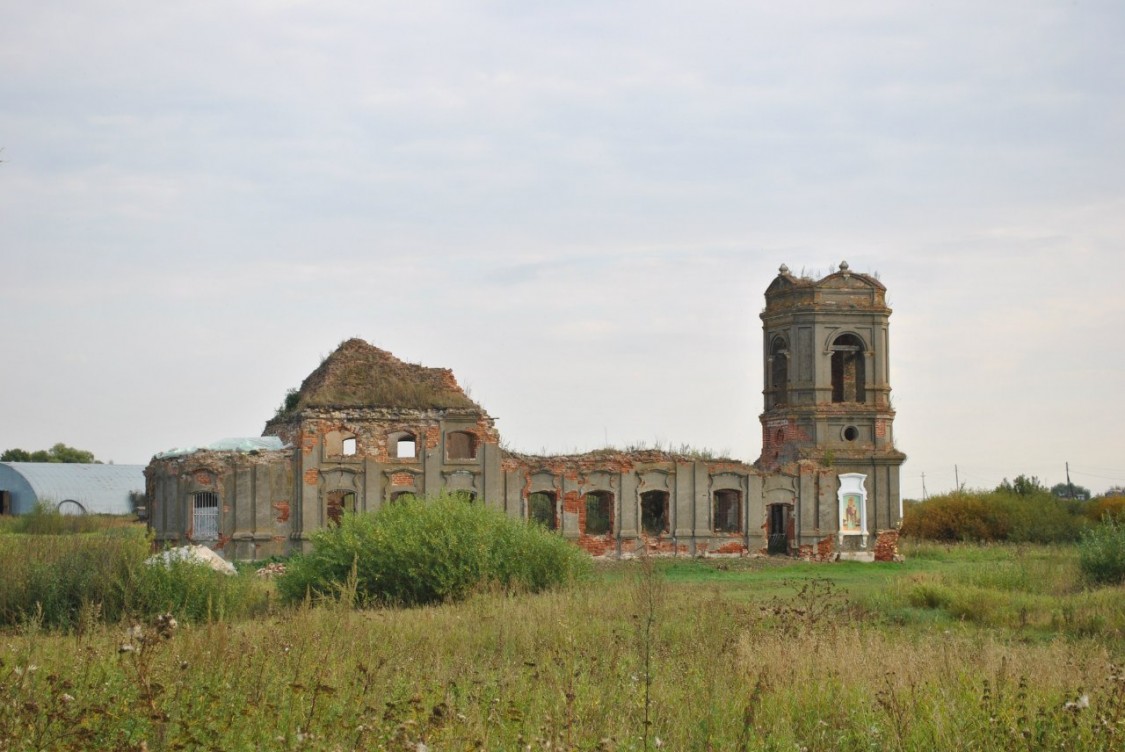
(886, 545)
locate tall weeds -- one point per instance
(68, 581)
(1102, 552)
(555, 671)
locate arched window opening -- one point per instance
(654, 512)
(340, 443)
(541, 509)
(401, 496)
(849, 380)
(460, 445)
(779, 373)
(726, 515)
(599, 513)
(468, 497)
(339, 503)
(405, 446)
(205, 515)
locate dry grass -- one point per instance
(580, 669)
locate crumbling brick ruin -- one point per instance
(366, 428)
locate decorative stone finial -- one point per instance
(783, 270)
(844, 266)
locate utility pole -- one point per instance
(957, 478)
(1069, 485)
(923, 486)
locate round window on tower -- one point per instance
(850, 433)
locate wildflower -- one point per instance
(66, 698)
(1081, 703)
(125, 648)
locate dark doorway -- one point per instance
(778, 542)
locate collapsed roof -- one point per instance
(358, 374)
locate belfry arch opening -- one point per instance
(779, 373)
(849, 372)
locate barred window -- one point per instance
(205, 515)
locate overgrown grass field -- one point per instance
(961, 647)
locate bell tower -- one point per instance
(826, 382)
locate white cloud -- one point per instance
(577, 206)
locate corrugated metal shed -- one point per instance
(71, 487)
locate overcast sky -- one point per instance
(576, 206)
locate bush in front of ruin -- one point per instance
(993, 516)
(424, 551)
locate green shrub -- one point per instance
(1101, 554)
(423, 551)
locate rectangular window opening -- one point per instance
(728, 504)
(460, 445)
(541, 509)
(599, 513)
(205, 515)
(654, 512)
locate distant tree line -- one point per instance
(1019, 511)
(58, 453)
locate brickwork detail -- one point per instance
(886, 546)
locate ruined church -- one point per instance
(365, 429)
